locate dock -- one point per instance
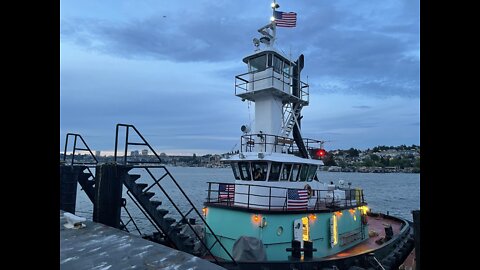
(100, 247)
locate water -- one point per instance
(397, 193)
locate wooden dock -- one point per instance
(100, 247)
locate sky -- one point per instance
(169, 67)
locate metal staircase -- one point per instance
(291, 114)
(86, 178)
(173, 231)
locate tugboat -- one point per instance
(278, 214)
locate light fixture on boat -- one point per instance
(364, 209)
(275, 5)
(338, 213)
(256, 218)
(272, 19)
(256, 42)
(312, 217)
(245, 129)
(204, 211)
(265, 40)
(352, 211)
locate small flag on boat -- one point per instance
(226, 191)
(297, 199)
(285, 19)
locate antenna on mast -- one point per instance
(269, 31)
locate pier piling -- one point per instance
(108, 194)
(68, 187)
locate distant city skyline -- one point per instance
(168, 68)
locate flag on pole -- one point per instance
(297, 199)
(226, 192)
(285, 19)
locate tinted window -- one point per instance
(285, 172)
(295, 169)
(277, 64)
(311, 172)
(258, 63)
(245, 170)
(303, 173)
(235, 171)
(275, 171)
(259, 170)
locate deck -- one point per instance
(376, 224)
(98, 246)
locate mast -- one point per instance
(273, 84)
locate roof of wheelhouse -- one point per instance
(276, 157)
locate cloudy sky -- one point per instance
(168, 67)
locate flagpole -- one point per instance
(274, 25)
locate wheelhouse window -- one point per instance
(295, 170)
(275, 171)
(245, 171)
(259, 170)
(287, 69)
(303, 173)
(311, 172)
(236, 173)
(258, 63)
(277, 64)
(285, 173)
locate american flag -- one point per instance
(297, 199)
(226, 191)
(285, 19)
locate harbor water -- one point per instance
(395, 193)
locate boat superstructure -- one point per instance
(277, 197)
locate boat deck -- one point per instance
(376, 224)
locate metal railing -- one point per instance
(262, 142)
(75, 149)
(88, 166)
(127, 143)
(246, 82)
(156, 183)
(226, 197)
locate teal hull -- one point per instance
(276, 230)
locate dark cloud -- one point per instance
(363, 107)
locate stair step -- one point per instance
(169, 220)
(134, 177)
(183, 237)
(189, 247)
(155, 203)
(148, 195)
(141, 186)
(176, 229)
(162, 212)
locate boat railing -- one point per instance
(263, 142)
(268, 78)
(259, 197)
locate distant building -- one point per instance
(145, 152)
(97, 153)
(134, 153)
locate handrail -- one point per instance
(157, 184)
(247, 143)
(282, 76)
(327, 202)
(77, 148)
(127, 143)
